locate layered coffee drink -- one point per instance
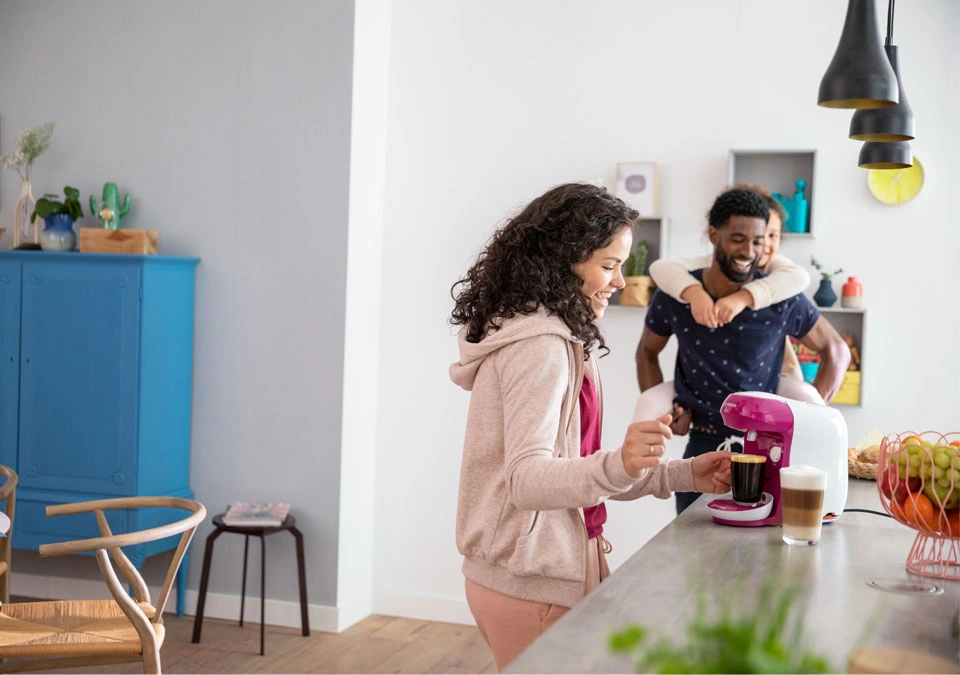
(801, 503)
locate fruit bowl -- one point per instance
(918, 478)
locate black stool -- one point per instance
(289, 524)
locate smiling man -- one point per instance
(743, 355)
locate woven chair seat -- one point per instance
(60, 628)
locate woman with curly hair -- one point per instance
(533, 476)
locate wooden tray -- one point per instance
(100, 240)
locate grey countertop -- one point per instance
(693, 557)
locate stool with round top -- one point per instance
(289, 524)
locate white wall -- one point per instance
(492, 103)
(229, 124)
(364, 277)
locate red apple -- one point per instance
(895, 488)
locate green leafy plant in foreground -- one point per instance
(768, 639)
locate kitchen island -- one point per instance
(693, 557)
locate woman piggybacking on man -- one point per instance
(533, 478)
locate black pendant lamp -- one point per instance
(860, 75)
(894, 123)
(886, 155)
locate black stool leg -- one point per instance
(204, 578)
(243, 584)
(301, 568)
(263, 586)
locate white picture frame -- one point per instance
(637, 187)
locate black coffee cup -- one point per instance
(747, 478)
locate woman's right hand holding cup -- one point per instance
(644, 445)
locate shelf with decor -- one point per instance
(653, 232)
(779, 171)
(850, 322)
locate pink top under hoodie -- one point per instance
(523, 484)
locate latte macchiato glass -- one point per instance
(801, 503)
(746, 478)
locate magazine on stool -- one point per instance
(245, 514)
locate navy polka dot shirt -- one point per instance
(744, 355)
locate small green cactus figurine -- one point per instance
(110, 211)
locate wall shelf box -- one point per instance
(778, 171)
(654, 232)
(849, 320)
(96, 373)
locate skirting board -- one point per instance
(450, 610)
(218, 606)
(323, 618)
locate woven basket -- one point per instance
(859, 469)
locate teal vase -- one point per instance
(825, 297)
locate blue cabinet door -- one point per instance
(9, 360)
(79, 355)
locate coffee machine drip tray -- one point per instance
(727, 512)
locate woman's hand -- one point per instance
(644, 444)
(711, 472)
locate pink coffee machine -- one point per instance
(786, 432)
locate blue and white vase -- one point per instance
(58, 235)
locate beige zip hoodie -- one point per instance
(523, 484)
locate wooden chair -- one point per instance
(8, 495)
(70, 633)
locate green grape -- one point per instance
(941, 460)
(902, 458)
(943, 482)
(939, 473)
(942, 495)
(914, 461)
(914, 449)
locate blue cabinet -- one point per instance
(95, 387)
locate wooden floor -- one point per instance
(378, 644)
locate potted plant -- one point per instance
(639, 287)
(824, 297)
(58, 235)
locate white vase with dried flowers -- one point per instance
(31, 143)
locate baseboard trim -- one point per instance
(424, 608)
(218, 606)
(323, 618)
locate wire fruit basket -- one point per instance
(918, 478)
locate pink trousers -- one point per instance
(509, 625)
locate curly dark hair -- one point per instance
(738, 201)
(773, 204)
(528, 263)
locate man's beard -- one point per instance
(732, 273)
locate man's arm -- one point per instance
(834, 357)
(649, 375)
(648, 361)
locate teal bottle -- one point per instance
(800, 208)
